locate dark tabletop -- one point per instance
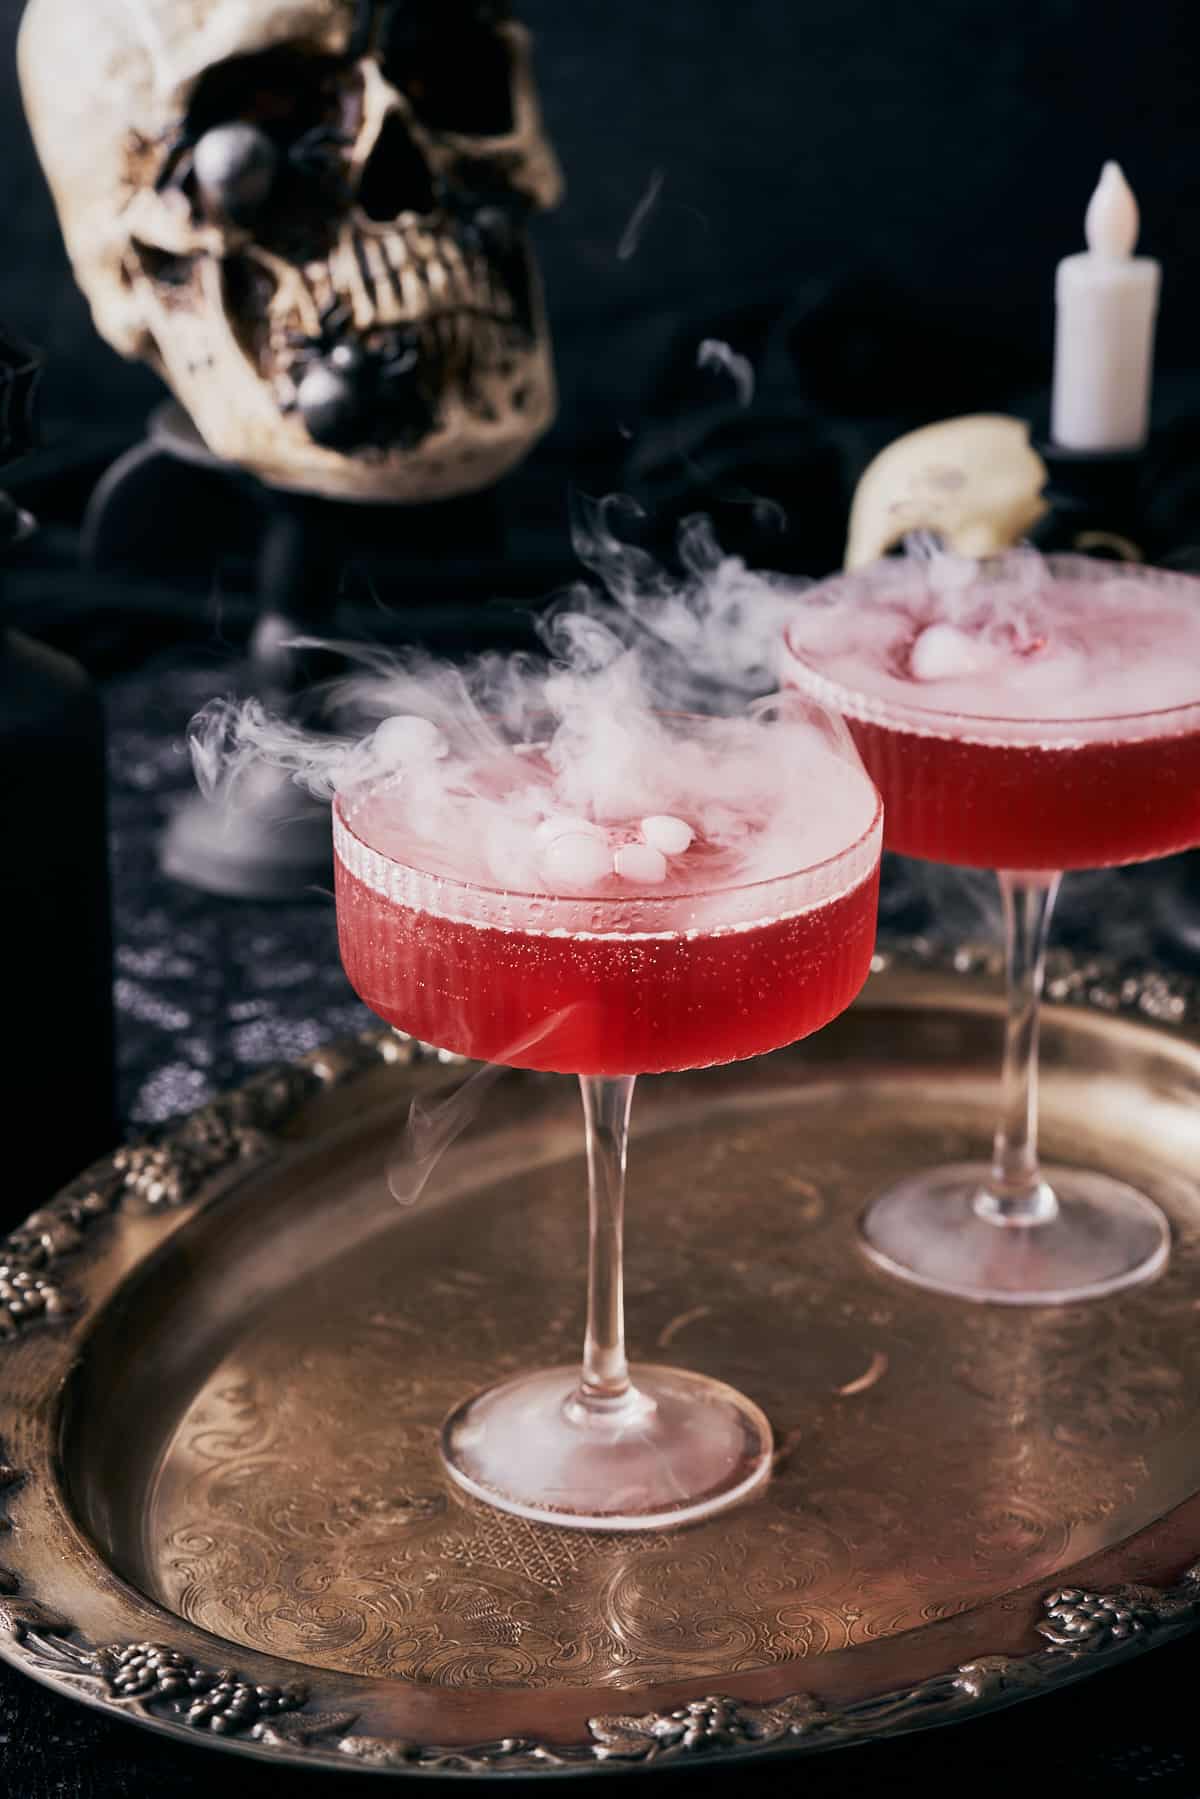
(209, 990)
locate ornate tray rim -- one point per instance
(177, 1683)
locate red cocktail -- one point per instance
(1082, 804)
(1028, 716)
(668, 995)
(722, 928)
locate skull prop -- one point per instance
(975, 483)
(308, 216)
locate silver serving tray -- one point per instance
(224, 1354)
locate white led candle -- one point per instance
(1107, 300)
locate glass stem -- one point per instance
(1017, 1193)
(604, 1383)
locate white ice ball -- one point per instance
(407, 738)
(576, 860)
(664, 832)
(642, 863)
(943, 651)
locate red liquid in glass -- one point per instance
(605, 1005)
(1025, 806)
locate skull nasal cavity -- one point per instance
(396, 178)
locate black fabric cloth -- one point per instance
(835, 370)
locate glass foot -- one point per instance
(677, 1447)
(1103, 1236)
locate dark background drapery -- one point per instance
(868, 199)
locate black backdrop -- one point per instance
(943, 152)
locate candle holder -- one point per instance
(1139, 505)
(1094, 504)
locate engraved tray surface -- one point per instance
(224, 1355)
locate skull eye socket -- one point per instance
(285, 94)
(262, 133)
(456, 79)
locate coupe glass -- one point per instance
(608, 987)
(1028, 797)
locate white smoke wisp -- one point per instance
(639, 218)
(231, 739)
(435, 1122)
(714, 353)
(433, 1125)
(711, 635)
(538, 773)
(484, 760)
(622, 654)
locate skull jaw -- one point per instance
(236, 412)
(461, 455)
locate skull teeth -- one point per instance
(408, 276)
